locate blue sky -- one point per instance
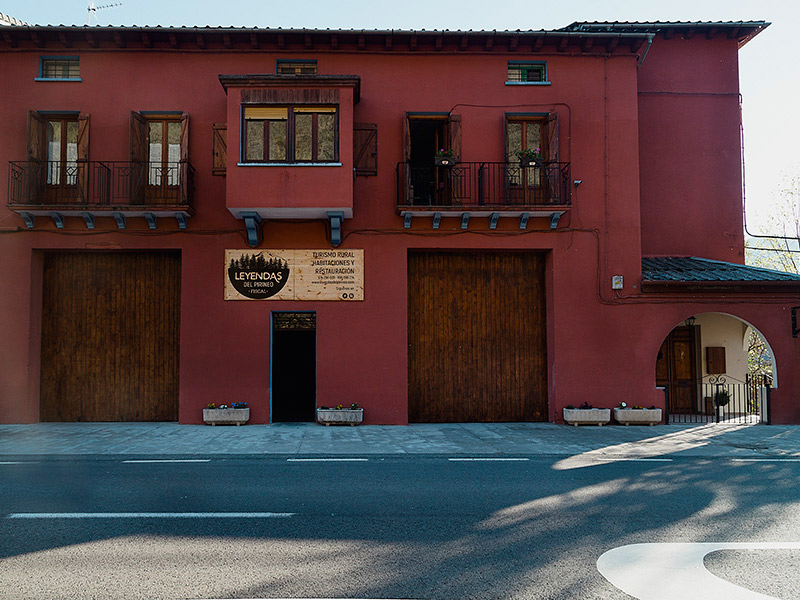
(769, 73)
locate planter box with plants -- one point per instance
(236, 414)
(530, 157)
(339, 415)
(586, 414)
(637, 415)
(444, 158)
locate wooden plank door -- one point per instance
(110, 336)
(477, 337)
(676, 369)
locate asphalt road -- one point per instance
(411, 527)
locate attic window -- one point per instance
(296, 67)
(527, 72)
(63, 68)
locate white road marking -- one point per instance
(327, 460)
(169, 460)
(669, 571)
(18, 462)
(486, 459)
(153, 515)
(766, 459)
(629, 459)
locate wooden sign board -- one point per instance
(294, 275)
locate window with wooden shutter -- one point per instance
(365, 148)
(219, 144)
(290, 134)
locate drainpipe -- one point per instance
(647, 49)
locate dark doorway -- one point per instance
(294, 367)
(677, 369)
(425, 136)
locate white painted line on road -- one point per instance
(678, 570)
(630, 459)
(766, 459)
(18, 462)
(327, 460)
(169, 460)
(487, 459)
(153, 515)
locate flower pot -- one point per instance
(340, 416)
(444, 161)
(226, 416)
(528, 162)
(637, 416)
(587, 416)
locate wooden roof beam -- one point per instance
(612, 44)
(512, 45)
(36, 39)
(489, 43)
(281, 41)
(388, 42)
(254, 41)
(412, 43)
(464, 42)
(335, 42)
(226, 39)
(307, 41)
(362, 42)
(118, 40)
(201, 40)
(147, 42)
(439, 42)
(537, 45)
(64, 40)
(91, 39)
(562, 43)
(587, 44)
(711, 33)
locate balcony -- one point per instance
(92, 189)
(484, 189)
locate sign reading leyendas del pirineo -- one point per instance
(294, 274)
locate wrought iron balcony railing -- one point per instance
(100, 185)
(490, 185)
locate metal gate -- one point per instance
(721, 399)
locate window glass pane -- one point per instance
(53, 151)
(303, 136)
(254, 141)
(514, 140)
(533, 136)
(326, 136)
(277, 140)
(155, 133)
(53, 68)
(72, 153)
(173, 152)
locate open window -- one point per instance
(426, 136)
(58, 151)
(159, 153)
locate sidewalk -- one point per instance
(451, 439)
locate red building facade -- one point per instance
(438, 226)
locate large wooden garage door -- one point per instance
(110, 336)
(477, 346)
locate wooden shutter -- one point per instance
(138, 138)
(184, 138)
(36, 137)
(550, 137)
(407, 137)
(365, 148)
(83, 137)
(219, 148)
(454, 131)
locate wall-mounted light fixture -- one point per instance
(690, 321)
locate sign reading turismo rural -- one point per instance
(294, 274)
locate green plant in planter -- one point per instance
(722, 398)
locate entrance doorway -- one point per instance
(293, 374)
(677, 368)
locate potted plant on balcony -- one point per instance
(529, 156)
(586, 414)
(236, 414)
(636, 415)
(444, 158)
(339, 415)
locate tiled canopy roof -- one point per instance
(688, 269)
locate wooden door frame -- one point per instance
(671, 381)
